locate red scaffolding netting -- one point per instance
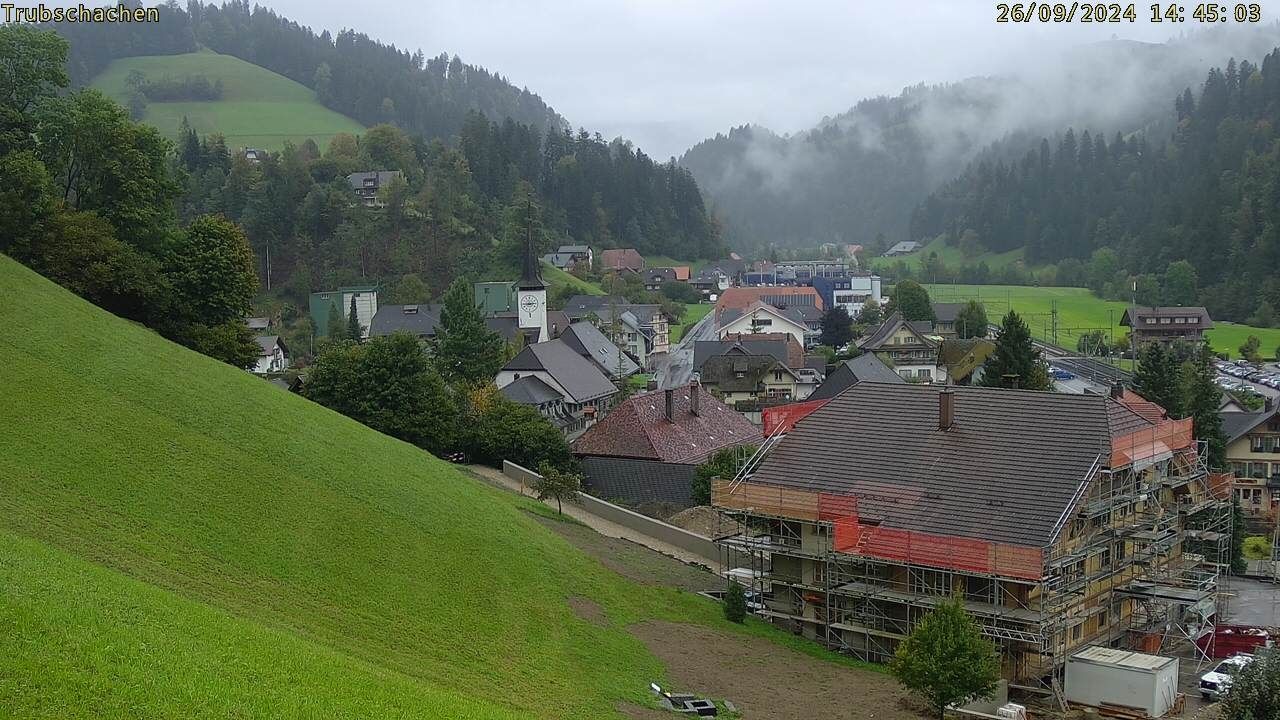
(784, 417)
(1151, 443)
(885, 543)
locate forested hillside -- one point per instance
(856, 177)
(351, 73)
(1108, 210)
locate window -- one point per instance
(1180, 321)
(1102, 620)
(1166, 321)
(1105, 560)
(1149, 321)
(1122, 549)
(1077, 632)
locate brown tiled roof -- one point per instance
(881, 334)
(622, 258)
(1202, 317)
(739, 373)
(638, 428)
(1143, 407)
(1005, 472)
(742, 297)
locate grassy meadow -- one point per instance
(1080, 311)
(179, 538)
(951, 255)
(258, 109)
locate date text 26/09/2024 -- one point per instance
(1061, 12)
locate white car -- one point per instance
(1215, 683)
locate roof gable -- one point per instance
(581, 379)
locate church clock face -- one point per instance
(529, 304)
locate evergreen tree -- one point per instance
(971, 321)
(463, 348)
(946, 660)
(1250, 350)
(735, 603)
(837, 327)
(1016, 362)
(1202, 396)
(1157, 379)
(354, 330)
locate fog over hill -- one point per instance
(859, 174)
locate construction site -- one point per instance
(1060, 522)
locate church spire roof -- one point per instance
(530, 277)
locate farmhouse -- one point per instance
(1166, 324)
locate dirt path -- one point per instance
(766, 680)
(600, 525)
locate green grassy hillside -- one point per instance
(950, 255)
(258, 109)
(180, 538)
(556, 278)
(1080, 311)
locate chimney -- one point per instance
(1117, 391)
(946, 408)
(651, 385)
(670, 409)
(693, 396)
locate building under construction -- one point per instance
(1060, 521)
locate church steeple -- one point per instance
(530, 277)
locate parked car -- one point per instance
(1060, 374)
(1215, 683)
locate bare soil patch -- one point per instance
(766, 680)
(704, 520)
(634, 561)
(588, 610)
(637, 712)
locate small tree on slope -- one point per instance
(946, 660)
(558, 484)
(735, 603)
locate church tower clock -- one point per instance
(531, 297)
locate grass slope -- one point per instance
(693, 312)
(1079, 311)
(557, 278)
(178, 537)
(258, 108)
(951, 256)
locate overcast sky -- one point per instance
(668, 73)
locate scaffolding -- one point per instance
(1134, 560)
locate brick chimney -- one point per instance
(1117, 390)
(670, 406)
(693, 396)
(946, 408)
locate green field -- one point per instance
(181, 539)
(258, 109)
(693, 312)
(1080, 311)
(557, 278)
(951, 256)
(656, 261)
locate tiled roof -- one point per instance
(580, 378)
(589, 342)
(947, 312)
(621, 258)
(637, 482)
(881, 335)
(419, 320)
(864, 368)
(1006, 471)
(1143, 407)
(1200, 314)
(530, 390)
(1238, 424)
(794, 357)
(267, 344)
(706, 349)
(743, 297)
(638, 428)
(738, 373)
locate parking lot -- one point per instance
(1240, 376)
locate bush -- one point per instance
(1255, 690)
(1257, 548)
(735, 603)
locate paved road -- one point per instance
(1252, 602)
(677, 367)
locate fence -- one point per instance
(690, 542)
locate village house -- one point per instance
(1253, 451)
(647, 449)
(1059, 521)
(367, 184)
(622, 259)
(578, 254)
(710, 283)
(864, 368)
(1166, 324)
(760, 317)
(906, 247)
(587, 340)
(585, 390)
(324, 304)
(655, 277)
(910, 347)
(273, 355)
(642, 330)
(751, 382)
(852, 292)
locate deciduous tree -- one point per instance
(912, 300)
(971, 321)
(556, 484)
(946, 660)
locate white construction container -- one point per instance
(1098, 675)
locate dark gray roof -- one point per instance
(947, 312)
(704, 349)
(257, 323)
(1236, 425)
(864, 368)
(722, 371)
(1005, 472)
(1201, 315)
(508, 326)
(580, 306)
(381, 177)
(419, 320)
(267, 344)
(580, 249)
(580, 377)
(531, 390)
(560, 260)
(876, 339)
(589, 342)
(637, 482)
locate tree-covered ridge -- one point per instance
(1209, 195)
(351, 73)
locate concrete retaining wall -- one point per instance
(691, 542)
